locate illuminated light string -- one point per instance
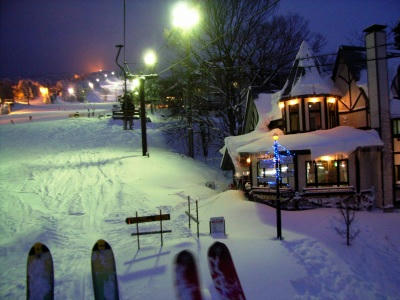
(278, 148)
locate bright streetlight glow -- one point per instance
(71, 91)
(105, 75)
(90, 85)
(112, 73)
(134, 84)
(184, 16)
(97, 79)
(150, 58)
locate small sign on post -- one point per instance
(217, 225)
(144, 219)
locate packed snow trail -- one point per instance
(76, 182)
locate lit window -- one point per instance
(314, 114)
(327, 172)
(332, 113)
(294, 117)
(396, 127)
(397, 171)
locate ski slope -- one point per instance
(69, 182)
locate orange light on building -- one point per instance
(331, 100)
(293, 101)
(326, 158)
(44, 91)
(248, 160)
(76, 76)
(313, 100)
(281, 105)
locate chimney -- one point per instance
(379, 105)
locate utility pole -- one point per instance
(124, 37)
(189, 104)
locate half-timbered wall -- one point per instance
(353, 106)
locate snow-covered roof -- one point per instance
(395, 108)
(306, 78)
(338, 140)
(268, 109)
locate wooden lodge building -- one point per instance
(341, 132)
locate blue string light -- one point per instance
(278, 149)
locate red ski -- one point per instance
(40, 274)
(187, 282)
(223, 273)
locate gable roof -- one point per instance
(354, 57)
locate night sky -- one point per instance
(39, 37)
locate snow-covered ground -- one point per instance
(69, 182)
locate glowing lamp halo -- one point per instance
(150, 57)
(185, 17)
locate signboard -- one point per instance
(217, 225)
(145, 219)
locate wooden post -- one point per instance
(161, 229)
(197, 217)
(137, 231)
(189, 210)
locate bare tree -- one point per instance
(239, 44)
(347, 209)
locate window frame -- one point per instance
(332, 114)
(339, 180)
(294, 113)
(319, 111)
(396, 127)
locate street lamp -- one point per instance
(185, 17)
(150, 58)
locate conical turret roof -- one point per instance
(306, 76)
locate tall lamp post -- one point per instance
(150, 60)
(185, 18)
(278, 182)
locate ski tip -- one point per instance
(38, 248)
(101, 245)
(184, 257)
(217, 248)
